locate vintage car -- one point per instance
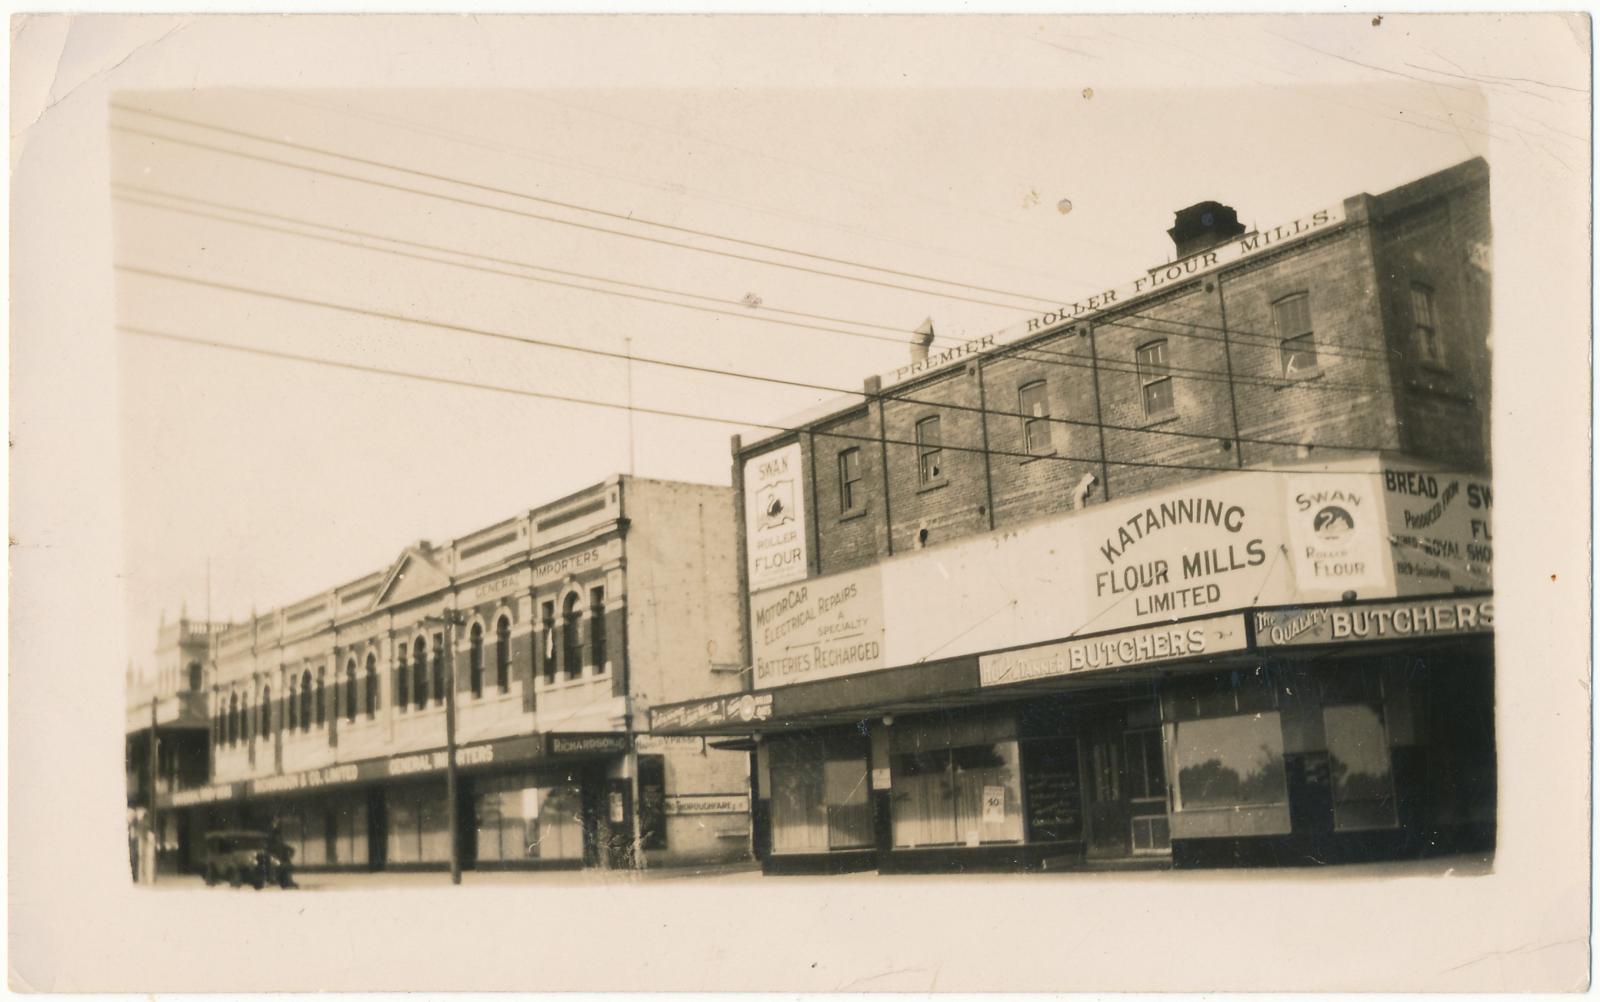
(247, 857)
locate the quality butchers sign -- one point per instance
(775, 517)
(824, 628)
(1200, 551)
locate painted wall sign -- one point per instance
(743, 708)
(571, 563)
(312, 779)
(1149, 645)
(588, 744)
(775, 517)
(660, 743)
(1440, 530)
(1383, 621)
(496, 586)
(717, 803)
(1336, 533)
(1237, 249)
(818, 629)
(216, 793)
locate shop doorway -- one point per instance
(1126, 785)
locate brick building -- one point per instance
(1194, 569)
(331, 720)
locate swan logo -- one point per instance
(1332, 524)
(777, 504)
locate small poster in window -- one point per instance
(994, 805)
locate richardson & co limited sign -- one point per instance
(1384, 621)
(1131, 648)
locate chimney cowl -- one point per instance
(921, 341)
(1203, 225)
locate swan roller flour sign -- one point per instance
(775, 517)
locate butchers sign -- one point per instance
(1128, 649)
(775, 517)
(823, 628)
(1384, 621)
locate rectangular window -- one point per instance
(849, 480)
(1231, 779)
(1155, 379)
(930, 451)
(820, 792)
(1425, 331)
(1298, 349)
(1359, 767)
(548, 642)
(597, 628)
(955, 783)
(1035, 410)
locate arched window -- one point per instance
(322, 696)
(196, 677)
(402, 682)
(372, 686)
(305, 700)
(350, 690)
(438, 667)
(266, 710)
(292, 706)
(571, 641)
(475, 660)
(419, 663)
(233, 720)
(502, 654)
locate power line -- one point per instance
(688, 416)
(690, 367)
(1331, 348)
(1043, 355)
(599, 212)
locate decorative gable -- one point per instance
(415, 574)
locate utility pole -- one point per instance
(451, 617)
(155, 838)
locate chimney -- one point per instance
(1202, 226)
(922, 341)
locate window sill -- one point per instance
(932, 485)
(853, 514)
(1035, 457)
(1157, 422)
(1289, 381)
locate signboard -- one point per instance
(202, 795)
(1440, 531)
(658, 743)
(1203, 548)
(1209, 260)
(775, 517)
(820, 629)
(1149, 645)
(881, 778)
(588, 744)
(714, 803)
(743, 708)
(1336, 534)
(571, 563)
(502, 585)
(1383, 621)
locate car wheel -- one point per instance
(235, 878)
(211, 875)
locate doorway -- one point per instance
(1126, 783)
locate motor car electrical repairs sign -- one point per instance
(822, 628)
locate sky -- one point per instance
(1045, 164)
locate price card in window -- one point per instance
(994, 805)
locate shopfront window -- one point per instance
(955, 783)
(820, 793)
(1230, 762)
(1358, 761)
(524, 817)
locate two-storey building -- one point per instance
(1196, 569)
(558, 628)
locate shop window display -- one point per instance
(521, 818)
(820, 793)
(955, 783)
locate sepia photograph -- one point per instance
(808, 503)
